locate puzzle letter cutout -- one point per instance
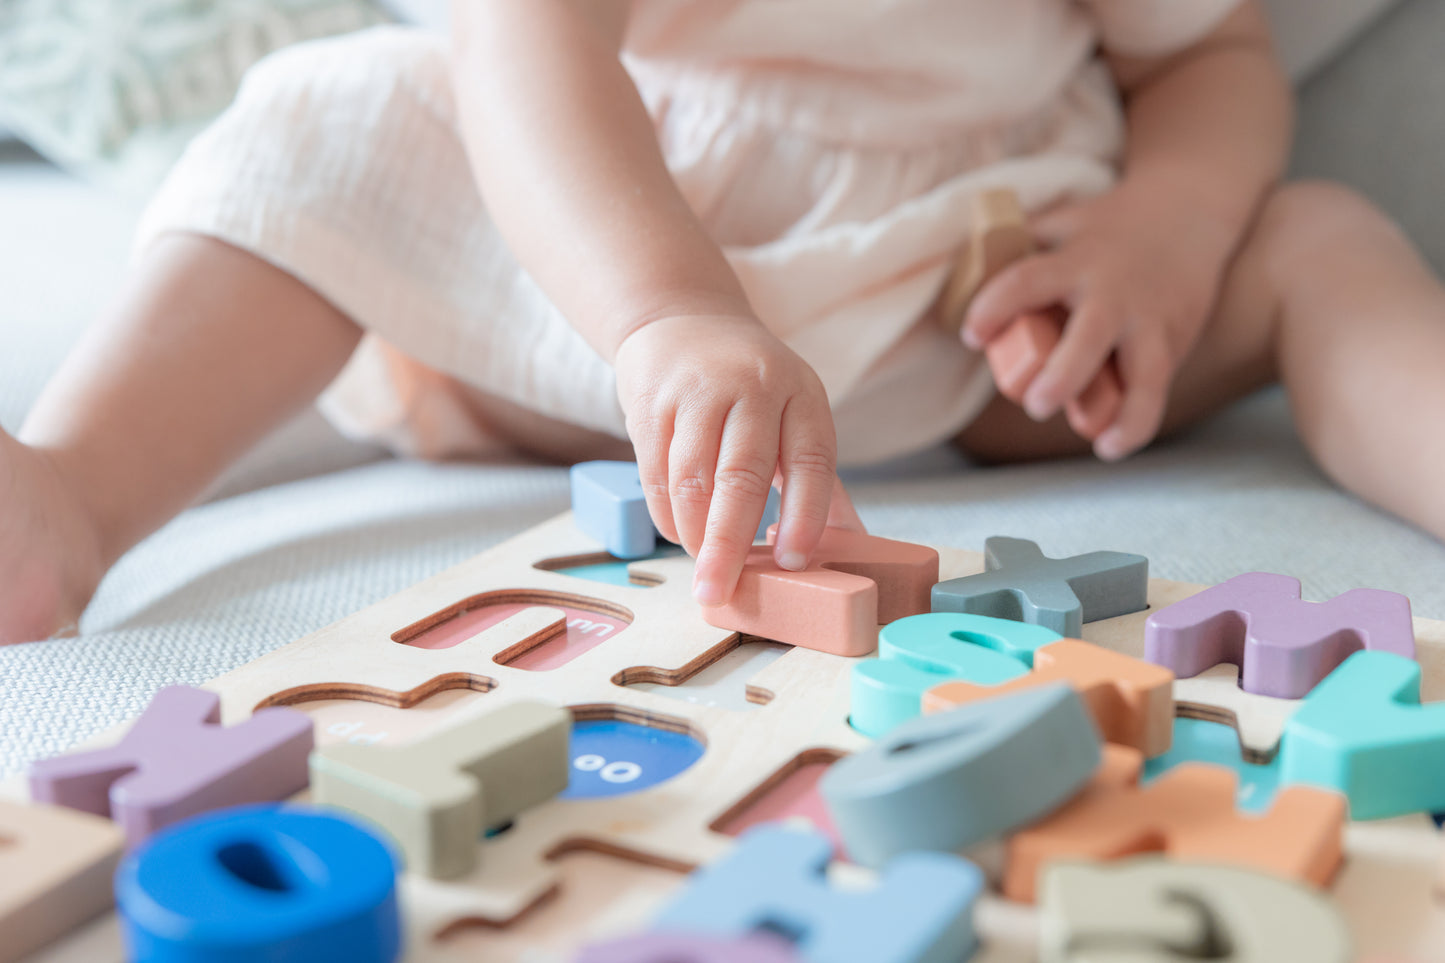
(1283, 645)
(1019, 582)
(177, 761)
(1215, 695)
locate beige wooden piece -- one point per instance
(1215, 696)
(55, 870)
(436, 796)
(800, 703)
(1095, 912)
(998, 237)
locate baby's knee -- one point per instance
(1306, 225)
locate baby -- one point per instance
(711, 236)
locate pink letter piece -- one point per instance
(855, 583)
(177, 761)
(1284, 646)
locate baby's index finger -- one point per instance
(808, 467)
(741, 487)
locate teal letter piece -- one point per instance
(945, 781)
(921, 651)
(1363, 732)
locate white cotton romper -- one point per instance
(831, 147)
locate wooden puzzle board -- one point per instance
(573, 872)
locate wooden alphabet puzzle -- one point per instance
(569, 761)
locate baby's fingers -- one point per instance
(1029, 285)
(691, 465)
(651, 439)
(745, 465)
(1145, 367)
(1088, 340)
(808, 461)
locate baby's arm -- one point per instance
(1139, 268)
(566, 159)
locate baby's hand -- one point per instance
(717, 407)
(1134, 287)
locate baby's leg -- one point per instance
(208, 350)
(1328, 296)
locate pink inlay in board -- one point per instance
(586, 629)
(790, 798)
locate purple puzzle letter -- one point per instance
(691, 948)
(177, 761)
(1283, 645)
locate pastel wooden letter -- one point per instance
(1019, 582)
(1184, 911)
(855, 583)
(272, 883)
(1131, 701)
(178, 761)
(1187, 814)
(919, 652)
(946, 781)
(1284, 646)
(55, 870)
(921, 911)
(1363, 732)
(608, 504)
(438, 795)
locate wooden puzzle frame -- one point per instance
(798, 712)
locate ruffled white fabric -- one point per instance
(839, 189)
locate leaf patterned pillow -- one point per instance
(115, 88)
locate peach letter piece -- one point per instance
(1187, 814)
(1132, 701)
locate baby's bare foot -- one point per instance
(50, 558)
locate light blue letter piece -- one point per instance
(1363, 732)
(608, 504)
(772, 511)
(945, 781)
(921, 911)
(921, 651)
